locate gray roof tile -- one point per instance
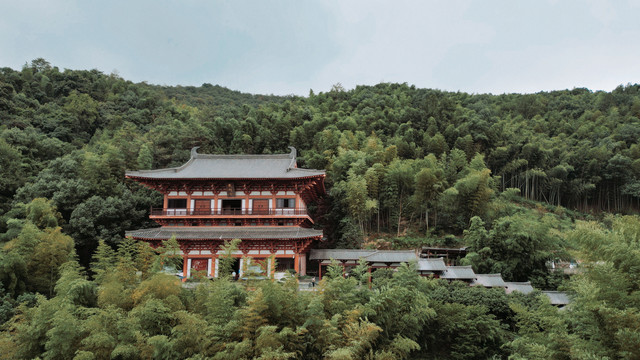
(489, 280)
(225, 233)
(557, 297)
(371, 256)
(339, 254)
(393, 256)
(207, 166)
(431, 264)
(523, 287)
(458, 273)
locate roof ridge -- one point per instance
(242, 156)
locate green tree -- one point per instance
(517, 246)
(225, 259)
(145, 158)
(429, 184)
(42, 213)
(103, 261)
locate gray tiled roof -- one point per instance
(523, 287)
(431, 264)
(557, 297)
(339, 254)
(372, 256)
(393, 256)
(458, 273)
(207, 166)
(225, 233)
(489, 280)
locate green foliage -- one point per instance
(159, 286)
(464, 332)
(42, 251)
(518, 247)
(11, 172)
(63, 339)
(13, 273)
(168, 258)
(361, 272)
(74, 287)
(42, 213)
(104, 259)
(154, 318)
(225, 259)
(602, 320)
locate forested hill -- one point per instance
(398, 158)
(506, 175)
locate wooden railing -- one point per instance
(232, 212)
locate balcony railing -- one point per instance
(232, 212)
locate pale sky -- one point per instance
(290, 47)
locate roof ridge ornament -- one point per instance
(194, 152)
(292, 154)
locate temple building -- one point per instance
(260, 199)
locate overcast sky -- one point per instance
(289, 47)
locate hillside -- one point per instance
(573, 148)
(520, 179)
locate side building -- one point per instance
(259, 199)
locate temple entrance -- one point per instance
(231, 206)
(199, 264)
(260, 206)
(202, 207)
(199, 267)
(235, 269)
(284, 264)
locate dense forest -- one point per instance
(520, 179)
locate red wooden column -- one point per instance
(273, 202)
(303, 264)
(296, 264)
(165, 203)
(247, 207)
(320, 270)
(185, 264)
(184, 247)
(212, 271)
(298, 203)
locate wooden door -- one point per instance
(261, 206)
(202, 207)
(199, 264)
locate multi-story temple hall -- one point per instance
(259, 199)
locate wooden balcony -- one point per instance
(156, 212)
